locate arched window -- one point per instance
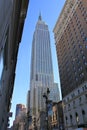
(83, 115)
(83, 112)
(66, 118)
(54, 125)
(56, 115)
(71, 119)
(77, 117)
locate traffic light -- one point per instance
(34, 121)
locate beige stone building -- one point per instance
(12, 17)
(75, 108)
(57, 121)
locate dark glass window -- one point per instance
(86, 39)
(36, 77)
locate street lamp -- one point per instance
(45, 95)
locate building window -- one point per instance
(36, 77)
(80, 100)
(86, 39)
(85, 63)
(73, 95)
(56, 115)
(68, 106)
(78, 91)
(66, 118)
(64, 108)
(86, 69)
(76, 79)
(74, 104)
(71, 119)
(81, 51)
(84, 116)
(77, 117)
(86, 96)
(80, 46)
(83, 89)
(67, 98)
(85, 86)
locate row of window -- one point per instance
(73, 95)
(45, 79)
(75, 104)
(76, 116)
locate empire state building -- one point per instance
(41, 76)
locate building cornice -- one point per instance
(23, 12)
(17, 23)
(64, 18)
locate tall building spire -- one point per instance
(41, 76)
(40, 17)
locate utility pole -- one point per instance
(45, 95)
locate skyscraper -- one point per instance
(41, 69)
(41, 61)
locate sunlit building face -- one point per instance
(41, 68)
(71, 45)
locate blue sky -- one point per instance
(50, 11)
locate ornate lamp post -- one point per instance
(47, 101)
